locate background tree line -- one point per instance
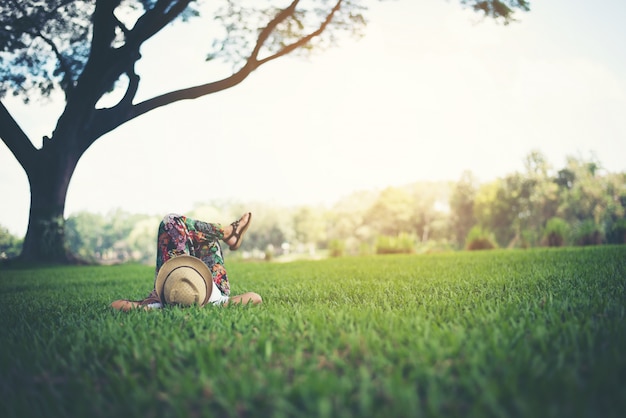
(579, 204)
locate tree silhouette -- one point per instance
(87, 49)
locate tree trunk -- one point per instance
(49, 180)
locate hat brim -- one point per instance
(183, 261)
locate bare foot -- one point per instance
(233, 233)
(127, 305)
(246, 298)
(124, 305)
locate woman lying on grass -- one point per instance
(190, 265)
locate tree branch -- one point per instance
(67, 85)
(302, 41)
(124, 111)
(16, 139)
(154, 20)
(104, 23)
(124, 57)
(267, 31)
(133, 86)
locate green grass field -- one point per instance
(538, 333)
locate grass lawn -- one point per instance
(537, 333)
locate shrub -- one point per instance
(365, 249)
(434, 246)
(587, 232)
(269, 253)
(480, 239)
(555, 233)
(336, 248)
(402, 244)
(10, 245)
(617, 232)
(528, 238)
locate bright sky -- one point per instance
(430, 91)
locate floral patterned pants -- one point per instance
(180, 235)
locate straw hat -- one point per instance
(184, 280)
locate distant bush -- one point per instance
(402, 244)
(617, 232)
(555, 233)
(336, 248)
(10, 245)
(268, 254)
(480, 239)
(433, 246)
(587, 232)
(365, 249)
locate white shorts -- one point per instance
(216, 298)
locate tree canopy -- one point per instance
(49, 44)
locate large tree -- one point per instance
(86, 49)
